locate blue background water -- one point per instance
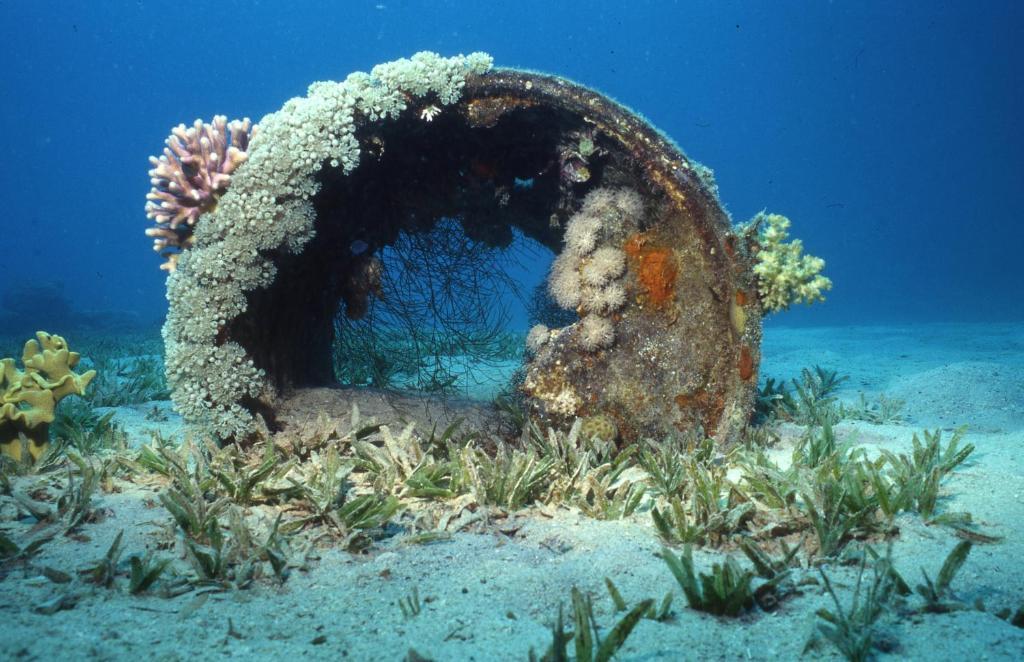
(889, 132)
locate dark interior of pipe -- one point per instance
(524, 173)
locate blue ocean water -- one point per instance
(889, 132)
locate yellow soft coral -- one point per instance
(29, 397)
(785, 276)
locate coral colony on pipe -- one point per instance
(666, 295)
(193, 172)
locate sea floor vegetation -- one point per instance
(803, 518)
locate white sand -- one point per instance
(491, 593)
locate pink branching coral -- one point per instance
(192, 174)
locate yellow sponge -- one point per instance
(28, 397)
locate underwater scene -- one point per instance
(411, 330)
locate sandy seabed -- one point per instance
(493, 593)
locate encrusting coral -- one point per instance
(268, 207)
(785, 276)
(599, 426)
(193, 172)
(664, 318)
(28, 397)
